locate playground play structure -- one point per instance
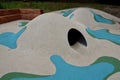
(71, 44)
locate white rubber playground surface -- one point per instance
(71, 44)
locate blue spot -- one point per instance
(67, 12)
(71, 16)
(65, 71)
(9, 39)
(22, 24)
(104, 34)
(101, 19)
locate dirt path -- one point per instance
(114, 10)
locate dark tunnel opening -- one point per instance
(75, 36)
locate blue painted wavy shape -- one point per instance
(101, 19)
(65, 71)
(71, 16)
(104, 34)
(9, 39)
(22, 24)
(67, 12)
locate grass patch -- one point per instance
(49, 6)
(1, 6)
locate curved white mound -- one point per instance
(79, 41)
